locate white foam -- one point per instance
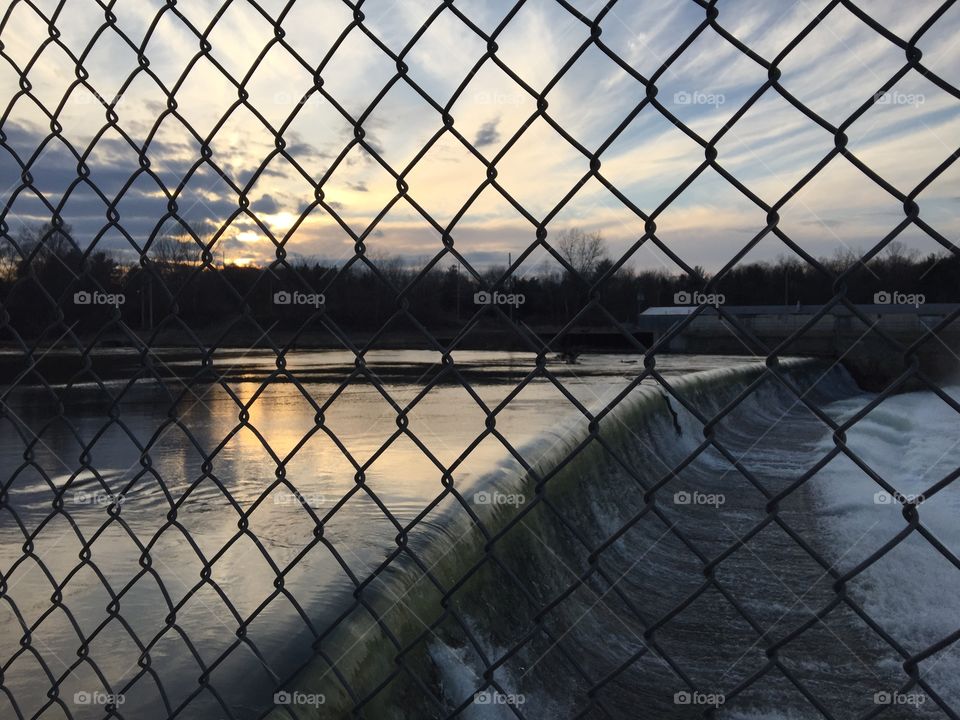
(460, 679)
(911, 441)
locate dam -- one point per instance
(872, 341)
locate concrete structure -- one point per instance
(838, 334)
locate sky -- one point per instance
(833, 70)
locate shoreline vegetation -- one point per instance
(48, 284)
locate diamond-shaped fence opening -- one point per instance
(478, 359)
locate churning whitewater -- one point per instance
(709, 534)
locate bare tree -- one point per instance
(170, 250)
(9, 259)
(51, 241)
(897, 253)
(393, 267)
(582, 250)
(842, 260)
(788, 262)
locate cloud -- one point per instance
(266, 205)
(769, 149)
(488, 134)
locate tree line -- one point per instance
(45, 278)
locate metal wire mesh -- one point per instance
(33, 344)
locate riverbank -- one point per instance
(173, 354)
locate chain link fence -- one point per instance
(517, 587)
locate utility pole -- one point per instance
(146, 302)
(512, 284)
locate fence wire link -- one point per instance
(60, 332)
